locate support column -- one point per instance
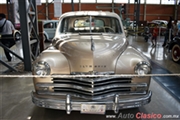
(29, 27)
(47, 10)
(176, 10)
(25, 34)
(72, 5)
(145, 7)
(112, 5)
(136, 11)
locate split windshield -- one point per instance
(90, 24)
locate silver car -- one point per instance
(90, 67)
(49, 27)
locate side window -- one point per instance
(99, 23)
(116, 25)
(113, 24)
(64, 25)
(79, 23)
(49, 25)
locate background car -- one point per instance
(161, 28)
(174, 47)
(49, 29)
(163, 23)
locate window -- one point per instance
(104, 1)
(120, 1)
(3, 1)
(69, 1)
(88, 1)
(49, 25)
(87, 24)
(132, 1)
(168, 2)
(152, 1)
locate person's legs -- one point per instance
(165, 38)
(152, 41)
(8, 56)
(8, 43)
(155, 39)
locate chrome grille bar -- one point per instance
(90, 89)
(96, 79)
(93, 88)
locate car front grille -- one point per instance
(93, 88)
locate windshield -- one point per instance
(90, 24)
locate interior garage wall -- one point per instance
(160, 12)
(152, 11)
(147, 12)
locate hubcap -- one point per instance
(176, 53)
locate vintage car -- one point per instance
(49, 27)
(174, 47)
(161, 28)
(90, 67)
(161, 22)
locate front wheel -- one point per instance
(175, 53)
(17, 36)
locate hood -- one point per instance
(93, 53)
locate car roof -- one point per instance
(153, 23)
(93, 13)
(47, 21)
(165, 21)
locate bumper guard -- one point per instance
(69, 104)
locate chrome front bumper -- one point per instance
(69, 104)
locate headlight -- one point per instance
(42, 68)
(142, 68)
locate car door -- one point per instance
(50, 29)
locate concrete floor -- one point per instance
(15, 99)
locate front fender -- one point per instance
(56, 60)
(128, 60)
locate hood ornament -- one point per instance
(92, 44)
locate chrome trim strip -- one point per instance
(60, 104)
(88, 97)
(87, 83)
(95, 79)
(93, 73)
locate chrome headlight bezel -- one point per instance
(41, 68)
(142, 68)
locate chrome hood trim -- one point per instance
(78, 51)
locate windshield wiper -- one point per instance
(90, 33)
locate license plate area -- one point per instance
(93, 109)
